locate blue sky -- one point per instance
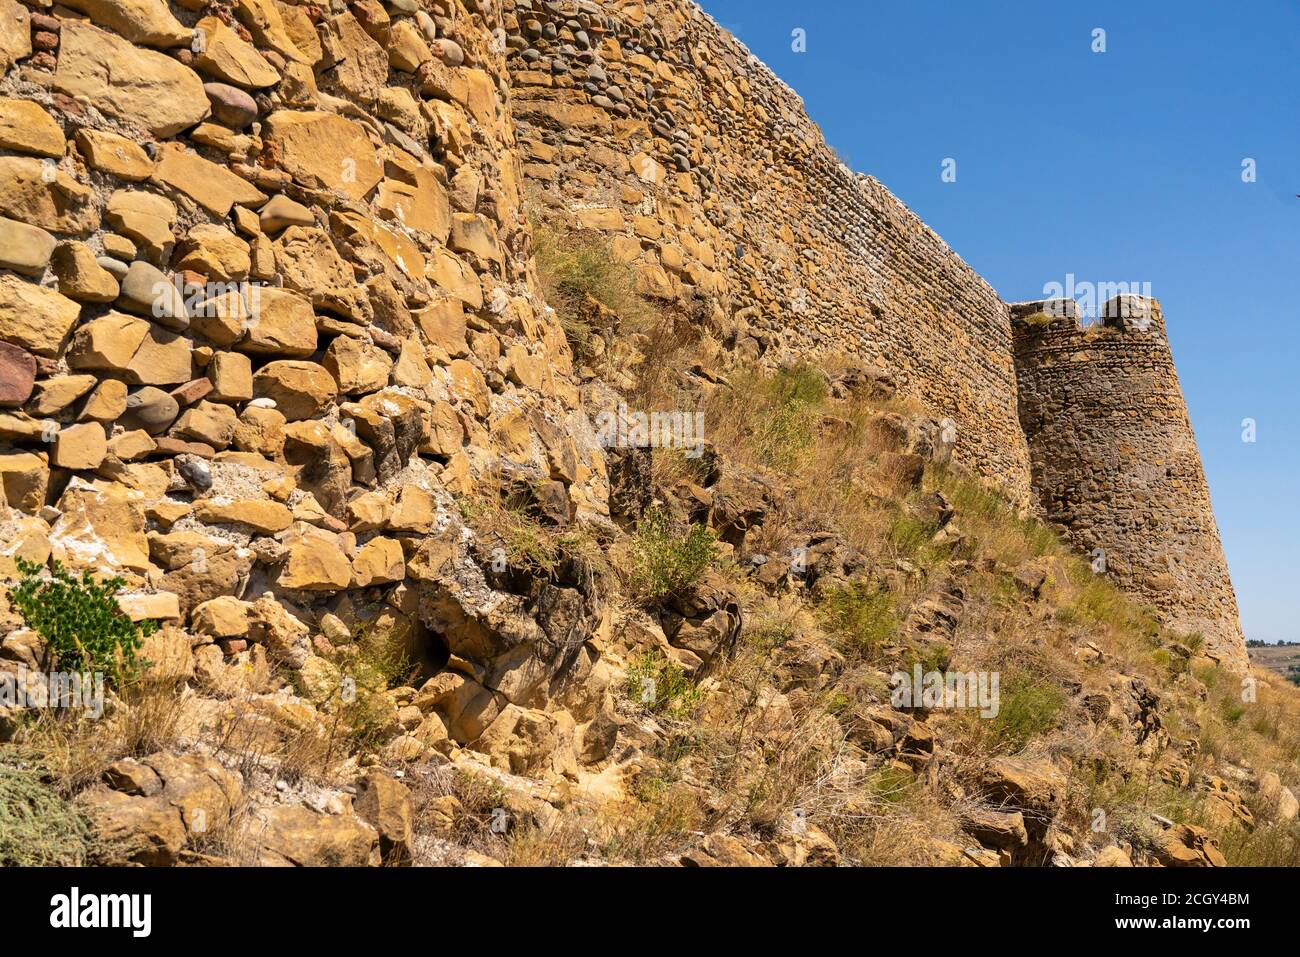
(1122, 166)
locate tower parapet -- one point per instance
(1115, 462)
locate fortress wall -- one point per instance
(652, 124)
(1115, 461)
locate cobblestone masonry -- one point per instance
(361, 166)
(1115, 462)
(651, 123)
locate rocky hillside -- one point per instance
(391, 526)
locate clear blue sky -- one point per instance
(1122, 166)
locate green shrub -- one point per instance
(891, 785)
(665, 561)
(1231, 711)
(792, 401)
(1028, 707)
(573, 267)
(38, 827)
(79, 620)
(860, 617)
(661, 686)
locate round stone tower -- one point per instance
(1115, 463)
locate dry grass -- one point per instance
(147, 716)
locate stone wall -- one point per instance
(266, 306)
(1115, 461)
(650, 123)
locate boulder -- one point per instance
(300, 390)
(295, 836)
(26, 128)
(385, 804)
(145, 22)
(325, 150)
(138, 86)
(33, 317)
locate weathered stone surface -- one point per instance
(314, 563)
(326, 150)
(380, 562)
(357, 366)
(264, 516)
(289, 836)
(25, 249)
(359, 65)
(15, 34)
(300, 390)
(281, 323)
(17, 374)
(208, 422)
(33, 193)
(215, 252)
(229, 59)
(138, 86)
(422, 204)
(146, 22)
(282, 212)
(223, 617)
(406, 47)
(27, 128)
(80, 276)
(474, 234)
(147, 291)
(211, 186)
(146, 218)
(311, 265)
(80, 447)
(141, 830)
(25, 477)
(385, 804)
(100, 527)
(110, 153)
(230, 105)
(151, 410)
(265, 22)
(232, 377)
(36, 318)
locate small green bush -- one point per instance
(1028, 708)
(665, 561)
(1231, 711)
(79, 619)
(574, 266)
(891, 785)
(38, 827)
(792, 400)
(860, 617)
(661, 686)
